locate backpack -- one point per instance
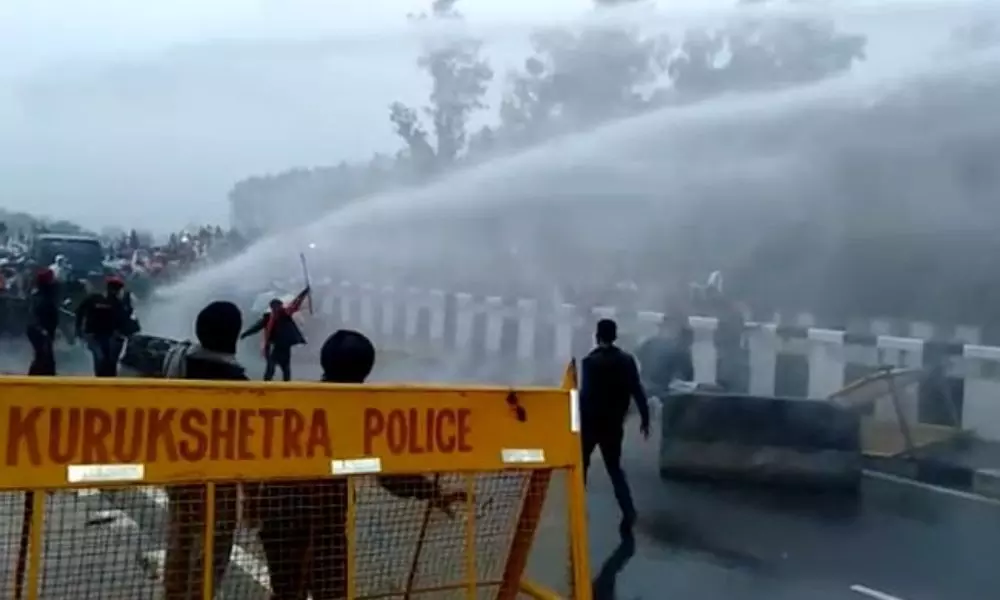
(175, 362)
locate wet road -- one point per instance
(693, 542)
(696, 541)
(87, 552)
(84, 555)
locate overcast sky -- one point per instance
(143, 113)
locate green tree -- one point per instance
(758, 53)
(460, 77)
(579, 78)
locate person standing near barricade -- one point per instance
(609, 382)
(303, 524)
(281, 333)
(213, 358)
(729, 337)
(666, 357)
(44, 320)
(103, 320)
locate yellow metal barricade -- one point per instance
(130, 488)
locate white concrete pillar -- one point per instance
(762, 341)
(647, 324)
(348, 295)
(527, 319)
(412, 310)
(388, 313)
(565, 322)
(463, 321)
(981, 406)
(704, 354)
(494, 324)
(327, 300)
(437, 306)
(827, 362)
(367, 299)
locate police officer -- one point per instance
(609, 382)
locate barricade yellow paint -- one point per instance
(64, 433)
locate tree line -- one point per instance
(575, 78)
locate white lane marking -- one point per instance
(154, 560)
(934, 488)
(877, 595)
(239, 557)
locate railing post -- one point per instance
(208, 545)
(351, 529)
(471, 563)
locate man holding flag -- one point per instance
(281, 333)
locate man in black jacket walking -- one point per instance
(104, 321)
(609, 382)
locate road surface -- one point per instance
(897, 540)
(701, 542)
(87, 552)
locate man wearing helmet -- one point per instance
(103, 320)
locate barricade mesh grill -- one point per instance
(87, 552)
(292, 538)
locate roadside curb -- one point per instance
(985, 482)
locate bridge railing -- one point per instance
(128, 488)
(523, 339)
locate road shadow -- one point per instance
(604, 584)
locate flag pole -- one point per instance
(305, 274)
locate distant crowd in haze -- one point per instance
(139, 258)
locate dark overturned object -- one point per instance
(144, 355)
(766, 440)
(346, 357)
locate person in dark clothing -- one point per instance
(212, 358)
(609, 383)
(44, 320)
(730, 343)
(280, 334)
(303, 525)
(131, 325)
(666, 356)
(103, 320)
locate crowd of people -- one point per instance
(611, 382)
(105, 320)
(78, 265)
(179, 254)
(289, 536)
(141, 259)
